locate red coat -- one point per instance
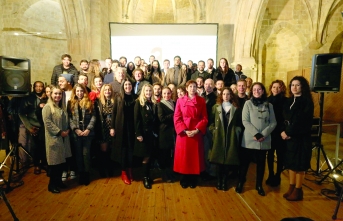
(189, 151)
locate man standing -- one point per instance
(238, 73)
(119, 77)
(219, 87)
(65, 68)
(210, 69)
(122, 62)
(157, 87)
(200, 86)
(166, 64)
(107, 70)
(151, 59)
(83, 79)
(83, 67)
(176, 75)
(241, 89)
(210, 98)
(140, 82)
(138, 62)
(28, 115)
(65, 81)
(200, 72)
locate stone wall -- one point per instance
(268, 38)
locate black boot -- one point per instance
(184, 181)
(260, 190)
(219, 177)
(225, 177)
(147, 181)
(193, 181)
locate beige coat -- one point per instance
(182, 78)
(57, 147)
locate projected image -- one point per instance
(199, 42)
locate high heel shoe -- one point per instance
(125, 178)
(147, 182)
(260, 191)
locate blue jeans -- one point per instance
(82, 153)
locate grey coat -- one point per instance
(57, 147)
(258, 119)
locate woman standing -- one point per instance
(104, 106)
(259, 121)
(156, 73)
(122, 129)
(224, 73)
(96, 87)
(56, 138)
(298, 114)
(277, 99)
(82, 122)
(145, 129)
(166, 134)
(190, 120)
(226, 126)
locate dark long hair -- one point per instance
(264, 95)
(226, 69)
(128, 69)
(305, 87)
(233, 97)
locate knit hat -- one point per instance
(68, 77)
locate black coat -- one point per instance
(229, 77)
(166, 129)
(146, 120)
(123, 124)
(298, 124)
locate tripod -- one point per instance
(14, 155)
(317, 136)
(3, 196)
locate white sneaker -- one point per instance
(72, 175)
(64, 176)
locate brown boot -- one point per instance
(296, 195)
(290, 190)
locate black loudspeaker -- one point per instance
(15, 76)
(326, 72)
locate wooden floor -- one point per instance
(111, 199)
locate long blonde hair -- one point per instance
(85, 102)
(142, 99)
(102, 95)
(51, 103)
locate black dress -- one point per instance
(298, 115)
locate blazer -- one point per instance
(140, 86)
(169, 79)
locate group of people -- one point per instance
(191, 121)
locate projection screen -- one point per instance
(190, 41)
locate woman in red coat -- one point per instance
(190, 120)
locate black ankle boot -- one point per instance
(239, 187)
(260, 190)
(82, 178)
(147, 182)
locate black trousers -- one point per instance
(246, 156)
(55, 175)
